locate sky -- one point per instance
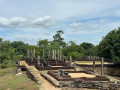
(81, 20)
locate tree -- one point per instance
(92, 51)
(109, 47)
(20, 48)
(74, 48)
(1, 39)
(7, 53)
(75, 55)
(43, 43)
(86, 45)
(58, 39)
(72, 43)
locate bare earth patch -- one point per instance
(78, 75)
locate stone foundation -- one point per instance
(79, 83)
(32, 76)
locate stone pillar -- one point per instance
(49, 54)
(102, 62)
(58, 54)
(98, 58)
(74, 66)
(53, 54)
(91, 57)
(88, 57)
(64, 60)
(28, 54)
(56, 57)
(43, 53)
(33, 53)
(38, 60)
(94, 65)
(70, 60)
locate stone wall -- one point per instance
(32, 76)
(79, 83)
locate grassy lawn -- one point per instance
(90, 62)
(9, 80)
(87, 61)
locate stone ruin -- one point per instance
(59, 69)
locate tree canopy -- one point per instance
(58, 38)
(109, 47)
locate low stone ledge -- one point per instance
(102, 85)
(51, 80)
(32, 76)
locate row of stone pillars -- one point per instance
(57, 54)
(93, 57)
(31, 54)
(102, 64)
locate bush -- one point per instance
(7, 63)
(75, 55)
(3, 66)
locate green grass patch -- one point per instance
(22, 63)
(7, 70)
(8, 79)
(87, 62)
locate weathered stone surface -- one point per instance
(33, 76)
(39, 82)
(50, 79)
(118, 82)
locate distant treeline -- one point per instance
(108, 48)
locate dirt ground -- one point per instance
(77, 75)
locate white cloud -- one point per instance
(92, 27)
(44, 22)
(17, 21)
(4, 22)
(75, 24)
(20, 22)
(76, 17)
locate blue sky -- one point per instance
(81, 20)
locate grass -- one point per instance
(87, 61)
(9, 80)
(22, 63)
(90, 62)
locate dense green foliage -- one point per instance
(75, 51)
(10, 52)
(109, 47)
